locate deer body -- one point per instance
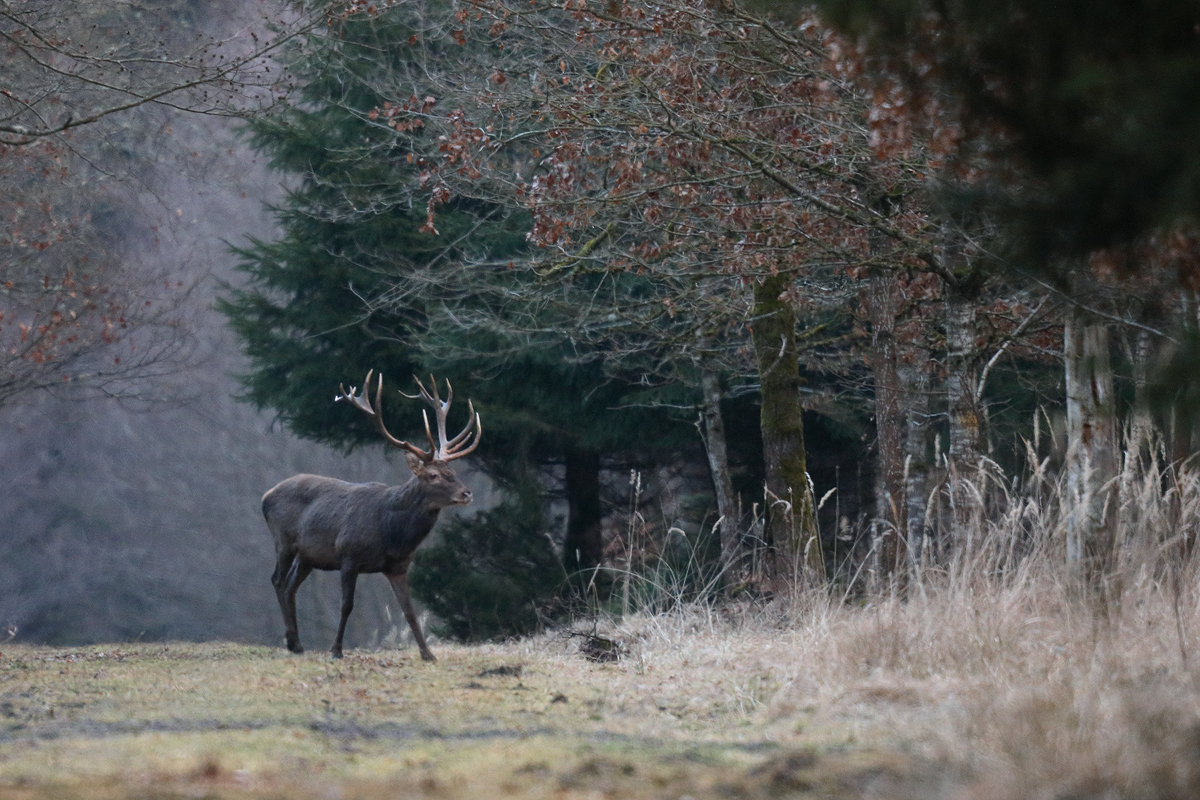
(377, 527)
(354, 528)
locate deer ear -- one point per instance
(414, 461)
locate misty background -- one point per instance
(139, 518)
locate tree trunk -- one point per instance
(1141, 430)
(718, 466)
(791, 518)
(891, 499)
(1092, 459)
(965, 486)
(914, 380)
(1181, 431)
(583, 548)
(1138, 455)
(1183, 419)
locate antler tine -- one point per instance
(433, 448)
(449, 448)
(363, 402)
(449, 454)
(440, 409)
(423, 393)
(457, 440)
(357, 398)
(443, 409)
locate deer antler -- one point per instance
(450, 448)
(363, 402)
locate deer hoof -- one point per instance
(295, 646)
(428, 656)
(335, 653)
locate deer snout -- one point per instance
(463, 498)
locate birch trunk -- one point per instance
(891, 498)
(914, 380)
(964, 457)
(1141, 430)
(791, 518)
(718, 466)
(1092, 452)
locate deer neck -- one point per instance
(415, 496)
(408, 517)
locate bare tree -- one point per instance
(86, 87)
(686, 167)
(67, 65)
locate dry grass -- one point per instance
(526, 719)
(1014, 691)
(997, 677)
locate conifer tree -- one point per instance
(360, 278)
(351, 223)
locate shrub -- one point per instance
(491, 576)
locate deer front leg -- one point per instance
(399, 583)
(349, 580)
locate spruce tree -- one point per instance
(310, 317)
(358, 279)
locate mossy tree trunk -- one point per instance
(1142, 430)
(791, 517)
(1181, 427)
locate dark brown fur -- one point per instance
(325, 523)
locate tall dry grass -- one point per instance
(1000, 665)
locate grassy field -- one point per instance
(529, 719)
(1003, 689)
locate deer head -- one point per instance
(431, 467)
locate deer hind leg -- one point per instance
(283, 562)
(349, 580)
(399, 583)
(297, 571)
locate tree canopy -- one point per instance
(1085, 116)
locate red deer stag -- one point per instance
(324, 523)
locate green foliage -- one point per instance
(310, 317)
(488, 576)
(354, 283)
(1174, 394)
(541, 395)
(359, 279)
